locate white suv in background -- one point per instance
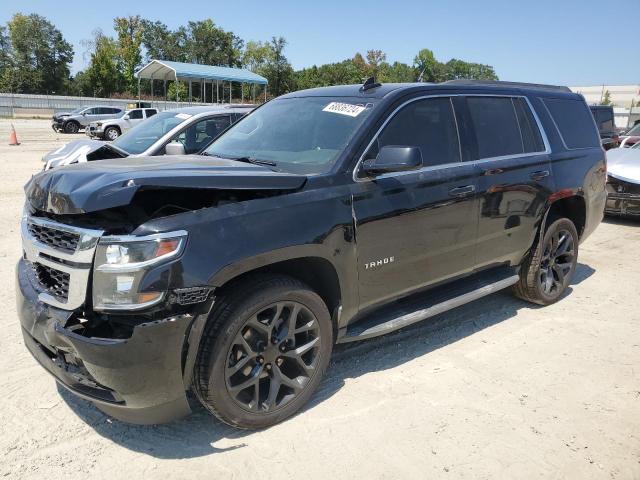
(112, 129)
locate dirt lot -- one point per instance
(495, 389)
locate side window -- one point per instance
(114, 111)
(604, 119)
(496, 126)
(135, 114)
(531, 137)
(92, 111)
(103, 111)
(200, 134)
(574, 121)
(428, 124)
(151, 112)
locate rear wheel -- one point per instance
(264, 352)
(548, 270)
(71, 127)
(111, 133)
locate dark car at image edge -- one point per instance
(325, 216)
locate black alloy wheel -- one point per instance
(547, 271)
(273, 357)
(264, 350)
(557, 262)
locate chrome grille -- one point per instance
(61, 256)
(58, 239)
(53, 281)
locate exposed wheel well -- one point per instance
(316, 272)
(113, 126)
(573, 208)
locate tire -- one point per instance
(251, 372)
(71, 127)
(549, 268)
(111, 133)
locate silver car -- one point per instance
(113, 128)
(180, 131)
(72, 122)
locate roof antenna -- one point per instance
(369, 83)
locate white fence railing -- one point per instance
(11, 104)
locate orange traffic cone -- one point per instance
(13, 138)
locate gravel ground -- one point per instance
(494, 389)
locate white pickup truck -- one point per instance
(113, 128)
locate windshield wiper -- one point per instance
(255, 161)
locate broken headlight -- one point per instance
(121, 263)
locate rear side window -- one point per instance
(574, 121)
(531, 137)
(604, 119)
(496, 126)
(429, 124)
(151, 112)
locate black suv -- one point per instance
(325, 216)
(604, 117)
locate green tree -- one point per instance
(177, 91)
(429, 69)
(459, 69)
(397, 73)
(277, 69)
(208, 44)
(606, 99)
(36, 54)
(161, 43)
(129, 32)
(104, 74)
(256, 55)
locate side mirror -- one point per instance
(174, 148)
(393, 158)
(126, 117)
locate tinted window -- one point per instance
(496, 126)
(604, 119)
(200, 134)
(429, 124)
(574, 122)
(135, 114)
(92, 111)
(151, 112)
(531, 138)
(102, 111)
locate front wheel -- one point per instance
(111, 133)
(264, 351)
(71, 127)
(548, 270)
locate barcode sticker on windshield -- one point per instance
(344, 109)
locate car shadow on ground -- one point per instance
(624, 221)
(197, 434)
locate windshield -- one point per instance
(634, 131)
(145, 134)
(299, 135)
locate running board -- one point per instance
(404, 313)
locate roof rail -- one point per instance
(498, 83)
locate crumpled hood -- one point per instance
(624, 164)
(94, 186)
(73, 152)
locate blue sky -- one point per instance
(560, 42)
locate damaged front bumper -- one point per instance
(137, 379)
(623, 204)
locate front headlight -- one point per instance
(121, 263)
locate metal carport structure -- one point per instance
(165, 70)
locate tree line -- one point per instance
(36, 58)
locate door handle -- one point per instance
(462, 191)
(539, 175)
